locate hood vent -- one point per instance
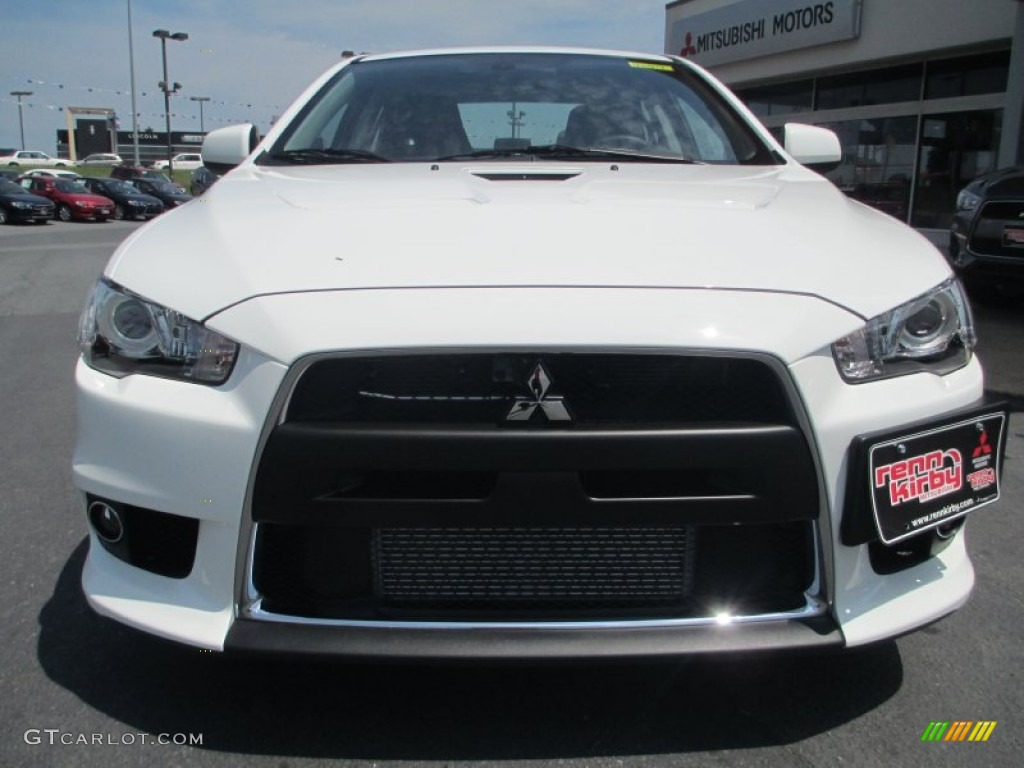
(527, 176)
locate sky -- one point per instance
(252, 58)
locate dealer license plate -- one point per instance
(1013, 237)
(923, 480)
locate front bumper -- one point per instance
(193, 451)
(35, 214)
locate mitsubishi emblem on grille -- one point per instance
(551, 407)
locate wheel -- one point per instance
(3, 216)
(118, 212)
(60, 165)
(64, 212)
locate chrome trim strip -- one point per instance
(812, 608)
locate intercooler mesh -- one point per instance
(533, 567)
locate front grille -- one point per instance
(536, 573)
(394, 488)
(597, 389)
(989, 236)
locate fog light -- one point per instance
(106, 521)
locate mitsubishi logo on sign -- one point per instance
(551, 407)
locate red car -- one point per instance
(73, 201)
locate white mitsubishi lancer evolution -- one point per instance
(528, 353)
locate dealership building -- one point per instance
(924, 94)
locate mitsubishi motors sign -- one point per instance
(751, 28)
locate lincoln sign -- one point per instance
(753, 28)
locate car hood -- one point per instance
(27, 197)
(272, 230)
(83, 197)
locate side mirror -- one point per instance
(817, 148)
(225, 148)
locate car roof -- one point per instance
(514, 49)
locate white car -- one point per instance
(52, 173)
(32, 157)
(101, 159)
(532, 353)
(183, 162)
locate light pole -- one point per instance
(165, 86)
(131, 72)
(21, 118)
(200, 99)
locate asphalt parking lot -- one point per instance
(70, 675)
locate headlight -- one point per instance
(934, 332)
(121, 333)
(135, 203)
(967, 200)
(19, 204)
(82, 203)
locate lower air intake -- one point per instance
(533, 568)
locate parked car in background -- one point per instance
(127, 170)
(102, 159)
(17, 204)
(129, 202)
(202, 179)
(51, 173)
(169, 194)
(623, 380)
(187, 161)
(32, 157)
(986, 239)
(73, 200)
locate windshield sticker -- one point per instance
(651, 65)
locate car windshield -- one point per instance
(517, 105)
(66, 185)
(163, 187)
(113, 185)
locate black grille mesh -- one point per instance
(535, 567)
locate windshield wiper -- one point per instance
(560, 151)
(310, 156)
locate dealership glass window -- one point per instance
(783, 99)
(878, 162)
(876, 86)
(967, 76)
(955, 148)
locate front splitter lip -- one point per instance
(522, 643)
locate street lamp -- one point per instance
(200, 99)
(21, 118)
(131, 74)
(165, 86)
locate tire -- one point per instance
(60, 165)
(64, 212)
(3, 216)
(118, 212)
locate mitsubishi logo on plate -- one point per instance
(551, 407)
